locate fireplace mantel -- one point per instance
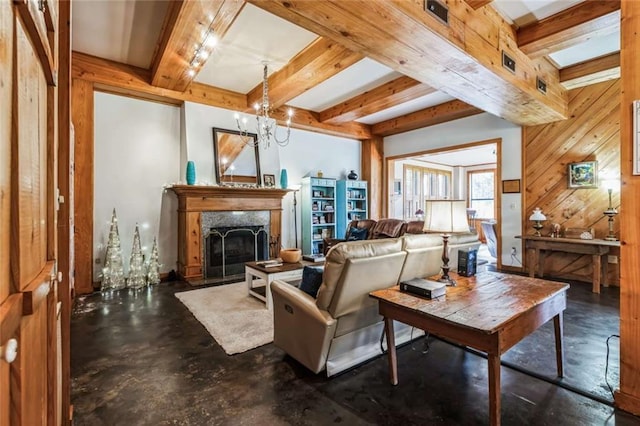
(195, 199)
(228, 191)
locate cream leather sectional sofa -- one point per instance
(341, 328)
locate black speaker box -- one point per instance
(467, 262)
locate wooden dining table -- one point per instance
(490, 312)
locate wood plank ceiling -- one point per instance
(463, 59)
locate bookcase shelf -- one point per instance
(352, 202)
(318, 211)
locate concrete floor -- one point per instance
(143, 359)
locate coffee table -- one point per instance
(286, 272)
(490, 312)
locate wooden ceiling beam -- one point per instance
(320, 60)
(463, 59)
(308, 120)
(187, 25)
(388, 95)
(591, 72)
(131, 81)
(570, 27)
(448, 111)
(477, 4)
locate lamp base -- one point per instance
(537, 226)
(447, 280)
(610, 213)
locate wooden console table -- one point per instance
(538, 247)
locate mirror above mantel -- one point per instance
(236, 157)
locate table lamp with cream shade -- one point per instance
(446, 216)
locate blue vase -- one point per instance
(191, 173)
(283, 179)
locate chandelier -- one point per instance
(266, 127)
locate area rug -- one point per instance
(237, 321)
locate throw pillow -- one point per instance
(356, 234)
(311, 280)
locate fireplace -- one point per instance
(203, 208)
(228, 248)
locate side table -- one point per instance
(286, 272)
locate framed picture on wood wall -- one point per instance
(583, 175)
(511, 186)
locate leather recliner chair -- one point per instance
(342, 327)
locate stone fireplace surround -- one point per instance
(232, 222)
(194, 200)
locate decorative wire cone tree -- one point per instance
(137, 274)
(113, 271)
(153, 271)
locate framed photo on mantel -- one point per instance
(269, 181)
(583, 174)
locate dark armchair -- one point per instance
(357, 230)
(375, 230)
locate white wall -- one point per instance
(474, 129)
(137, 151)
(306, 154)
(141, 146)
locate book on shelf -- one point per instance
(424, 287)
(314, 257)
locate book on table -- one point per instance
(424, 287)
(314, 257)
(270, 263)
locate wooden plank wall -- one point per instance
(591, 133)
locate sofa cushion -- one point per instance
(388, 228)
(342, 264)
(357, 234)
(424, 255)
(463, 238)
(311, 280)
(415, 227)
(367, 224)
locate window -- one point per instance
(422, 183)
(482, 193)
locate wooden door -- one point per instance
(28, 235)
(9, 303)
